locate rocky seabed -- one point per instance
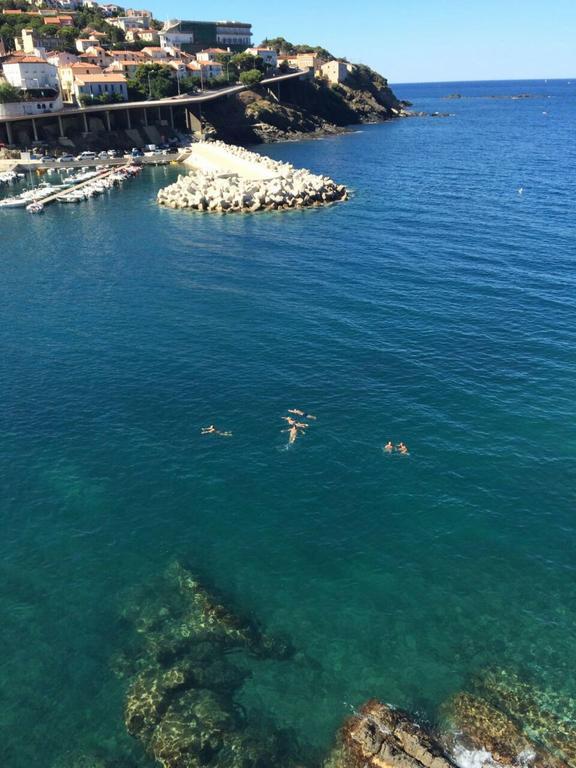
(287, 187)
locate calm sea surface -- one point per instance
(437, 307)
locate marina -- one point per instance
(81, 186)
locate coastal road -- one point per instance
(183, 99)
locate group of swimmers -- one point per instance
(400, 448)
(296, 427)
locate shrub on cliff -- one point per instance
(251, 77)
(8, 93)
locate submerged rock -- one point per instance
(547, 718)
(182, 679)
(477, 725)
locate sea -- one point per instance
(437, 307)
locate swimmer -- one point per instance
(401, 448)
(296, 412)
(309, 416)
(293, 434)
(389, 447)
(211, 430)
(300, 425)
(289, 419)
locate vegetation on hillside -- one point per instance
(282, 45)
(8, 93)
(64, 37)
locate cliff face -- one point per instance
(302, 108)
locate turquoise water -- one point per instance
(436, 307)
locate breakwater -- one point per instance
(229, 179)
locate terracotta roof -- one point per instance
(127, 54)
(214, 50)
(25, 60)
(82, 65)
(105, 77)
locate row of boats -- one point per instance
(67, 191)
(101, 185)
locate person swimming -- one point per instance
(296, 412)
(401, 448)
(211, 430)
(292, 434)
(389, 447)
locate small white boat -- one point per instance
(35, 208)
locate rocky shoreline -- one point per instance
(280, 186)
(186, 656)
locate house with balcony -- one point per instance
(126, 67)
(126, 23)
(94, 87)
(268, 56)
(68, 74)
(142, 35)
(37, 82)
(205, 70)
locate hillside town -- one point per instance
(61, 54)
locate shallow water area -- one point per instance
(436, 307)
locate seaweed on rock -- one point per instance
(546, 718)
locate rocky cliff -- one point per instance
(298, 108)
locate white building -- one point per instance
(205, 70)
(126, 23)
(234, 33)
(38, 83)
(95, 86)
(30, 73)
(210, 54)
(31, 107)
(268, 56)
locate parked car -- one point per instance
(115, 153)
(103, 155)
(86, 156)
(137, 152)
(48, 159)
(66, 159)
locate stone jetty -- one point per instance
(229, 179)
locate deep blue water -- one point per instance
(436, 307)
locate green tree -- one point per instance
(8, 93)
(152, 81)
(244, 62)
(251, 77)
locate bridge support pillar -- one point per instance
(86, 129)
(159, 114)
(9, 133)
(108, 123)
(145, 117)
(128, 121)
(171, 112)
(61, 127)
(34, 129)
